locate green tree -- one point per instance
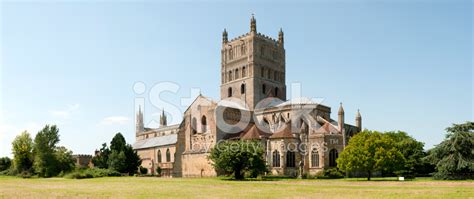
(412, 151)
(64, 159)
(132, 159)
(5, 163)
(117, 161)
(118, 143)
(45, 163)
(122, 156)
(237, 157)
(370, 151)
(22, 148)
(101, 159)
(454, 157)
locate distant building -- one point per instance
(253, 71)
(83, 160)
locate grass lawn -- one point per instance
(147, 187)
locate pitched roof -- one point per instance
(327, 128)
(284, 133)
(253, 133)
(156, 141)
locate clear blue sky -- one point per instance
(407, 65)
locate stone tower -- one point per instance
(140, 127)
(253, 67)
(163, 120)
(358, 120)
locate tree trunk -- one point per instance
(238, 175)
(368, 177)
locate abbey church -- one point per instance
(253, 106)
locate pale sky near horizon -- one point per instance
(407, 65)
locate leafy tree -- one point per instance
(133, 160)
(64, 159)
(117, 161)
(454, 157)
(100, 160)
(5, 163)
(22, 148)
(238, 157)
(45, 163)
(118, 143)
(412, 151)
(370, 151)
(122, 156)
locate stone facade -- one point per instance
(83, 160)
(253, 106)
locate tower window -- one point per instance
(203, 124)
(230, 75)
(243, 72)
(159, 156)
(264, 88)
(276, 159)
(332, 157)
(242, 89)
(262, 72)
(236, 73)
(290, 159)
(276, 91)
(229, 92)
(314, 158)
(194, 125)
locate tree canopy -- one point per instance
(370, 151)
(22, 148)
(5, 163)
(120, 157)
(411, 149)
(237, 157)
(454, 157)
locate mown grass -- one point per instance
(152, 187)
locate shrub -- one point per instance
(143, 170)
(158, 171)
(92, 173)
(332, 173)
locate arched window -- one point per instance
(275, 76)
(194, 125)
(244, 73)
(265, 122)
(229, 92)
(262, 72)
(264, 89)
(276, 91)
(314, 158)
(203, 124)
(159, 156)
(290, 159)
(242, 89)
(332, 158)
(276, 159)
(269, 72)
(168, 155)
(230, 75)
(231, 54)
(237, 73)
